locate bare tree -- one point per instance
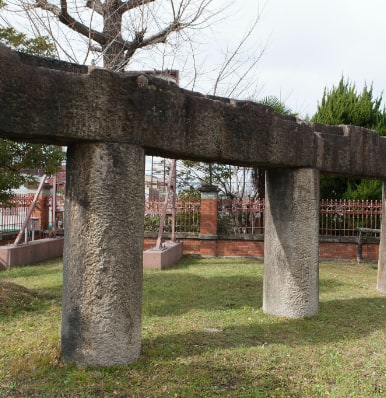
(116, 29)
(181, 34)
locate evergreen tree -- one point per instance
(344, 105)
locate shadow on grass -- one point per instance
(338, 320)
(175, 293)
(179, 293)
(206, 378)
(15, 300)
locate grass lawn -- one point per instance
(204, 335)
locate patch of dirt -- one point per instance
(14, 298)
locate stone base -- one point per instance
(31, 252)
(164, 258)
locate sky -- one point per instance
(311, 44)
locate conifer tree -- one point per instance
(344, 105)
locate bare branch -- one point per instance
(48, 29)
(131, 4)
(45, 5)
(140, 42)
(179, 23)
(95, 5)
(246, 72)
(228, 66)
(69, 21)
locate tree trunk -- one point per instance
(113, 50)
(258, 178)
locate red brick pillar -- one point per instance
(208, 223)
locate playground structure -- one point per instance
(109, 121)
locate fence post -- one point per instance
(208, 222)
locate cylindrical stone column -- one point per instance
(291, 243)
(381, 281)
(102, 276)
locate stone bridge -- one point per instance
(110, 121)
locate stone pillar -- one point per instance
(208, 221)
(102, 276)
(291, 248)
(381, 281)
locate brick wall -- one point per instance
(345, 250)
(209, 244)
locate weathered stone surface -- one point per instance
(102, 277)
(64, 103)
(356, 152)
(291, 245)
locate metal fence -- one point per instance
(241, 216)
(12, 218)
(235, 217)
(344, 217)
(187, 216)
(337, 217)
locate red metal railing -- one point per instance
(12, 218)
(344, 217)
(241, 216)
(337, 217)
(187, 216)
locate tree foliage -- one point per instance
(344, 105)
(16, 159)
(277, 105)
(40, 45)
(232, 181)
(19, 41)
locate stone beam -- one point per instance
(59, 103)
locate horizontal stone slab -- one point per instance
(55, 102)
